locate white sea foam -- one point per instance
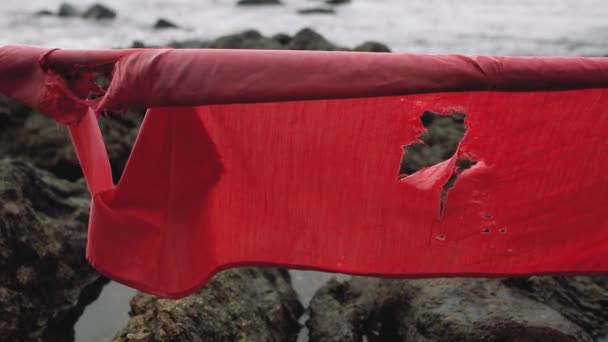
(513, 27)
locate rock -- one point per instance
(67, 10)
(162, 23)
(40, 140)
(282, 38)
(258, 2)
(45, 280)
(372, 46)
(582, 300)
(250, 39)
(308, 39)
(247, 304)
(99, 12)
(337, 2)
(317, 10)
(44, 13)
(442, 310)
(439, 141)
(190, 44)
(12, 114)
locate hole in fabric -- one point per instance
(461, 165)
(439, 141)
(502, 231)
(440, 237)
(487, 217)
(486, 231)
(102, 80)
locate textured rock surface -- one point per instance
(247, 304)
(457, 310)
(39, 139)
(45, 280)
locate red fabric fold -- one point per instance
(292, 159)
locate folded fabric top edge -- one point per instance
(59, 81)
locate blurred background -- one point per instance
(538, 308)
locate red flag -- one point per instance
(292, 159)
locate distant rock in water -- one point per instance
(542, 309)
(305, 39)
(99, 12)
(309, 39)
(317, 10)
(258, 2)
(250, 39)
(44, 13)
(45, 280)
(162, 23)
(246, 304)
(337, 2)
(67, 10)
(282, 38)
(372, 46)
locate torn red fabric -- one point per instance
(292, 159)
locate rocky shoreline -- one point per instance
(46, 282)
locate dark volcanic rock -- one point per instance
(67, 10)
(40, 140)
(99, 12)
(258, 2)
(372, 46)
(45, 280)
(445, 310)
(247, 304)
(250, 39)
(309, 39)
(162, 23)
(317, 10)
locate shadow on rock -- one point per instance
(459, 310)
(45, 280)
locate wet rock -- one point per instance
(372, 46)
(309, 39)
(40, 140)
(317, 10)
(67, 10)
(250, 39)
(258, 2)
(247, 304)
(99, 12)
(441, 310)
(162, 23)
(45, 280)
